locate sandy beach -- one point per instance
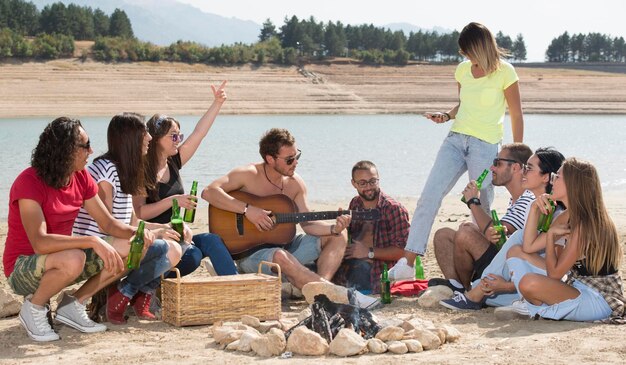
(91, 89)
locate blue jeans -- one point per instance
(590, 305)
(458, 153)
(148, 276)
(206, 245)
(305, 248)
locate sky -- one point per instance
(539, 21)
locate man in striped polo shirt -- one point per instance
(462, 255)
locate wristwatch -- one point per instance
(370, 254)
(474, 200)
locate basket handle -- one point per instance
(270, 264)
(177, 275)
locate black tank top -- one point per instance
(173, 187)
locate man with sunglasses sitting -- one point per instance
(372, 243)
(324, 243)
(462, 255)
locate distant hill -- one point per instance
(166, 21)
(408, 28)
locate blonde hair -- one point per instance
(599, 242)
(477, 42)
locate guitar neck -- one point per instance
(308, 216)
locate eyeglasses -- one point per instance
(364, 183)
(554, 177)
(177, 137)
(86, 145)
(497, 160)
(290, 160)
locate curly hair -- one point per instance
(273, 140)
(125, 141)
(158, 126)
(53, 158)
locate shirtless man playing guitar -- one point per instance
(323, 241)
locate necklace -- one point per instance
(270, 181)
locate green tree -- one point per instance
(519, 48)
(119, 25)
(54, 19)
(100, 23)
(20, 16)
(267, 31)
(80, 22)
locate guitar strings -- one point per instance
(270, 181)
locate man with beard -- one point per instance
(323, 244)
(373, 243)
(462, 255)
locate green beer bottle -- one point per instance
(419, 268)
(136, 248)
(479, 182)
(546, 219)
(385, 286)
(177, 222)
(499, 228)
(190, 214)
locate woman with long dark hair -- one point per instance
(166, 157)
(119, 175)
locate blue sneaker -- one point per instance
(460, 303)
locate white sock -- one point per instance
(456, 283)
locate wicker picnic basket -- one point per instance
(192, 301)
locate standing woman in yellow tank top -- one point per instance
(487, 84)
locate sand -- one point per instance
(91, 89)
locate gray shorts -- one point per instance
(305, 248)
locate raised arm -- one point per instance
(514, 101)
(190, 146)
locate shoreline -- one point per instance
(76, 88)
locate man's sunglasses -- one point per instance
(290, 160)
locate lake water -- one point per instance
(403, 147)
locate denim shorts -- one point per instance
(29, 270)
(305, 248)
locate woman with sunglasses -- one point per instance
(486, 85)
(591, 255)
(119, 175)
(167, 154)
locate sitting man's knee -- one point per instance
(282, 258)
(73, 263)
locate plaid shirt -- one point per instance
(610, 287)
(392, 229)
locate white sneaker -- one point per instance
(516, 310)
(401, 271)
(365, 301)
(35, 321)
(208, 265)
(70, 312)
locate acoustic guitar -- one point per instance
(239, 234)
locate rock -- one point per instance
(303, 341)
(407, 326)
(397, 347)
(390, 334)
(250, 321)
(376, 346)
(434, 294)
(271, 344)
(391, 322)
(452, 334)
(348, 343)
(413, 345)
(304, 314)
(440, 333)
(10, 304)
(429, 340)
(286, 324)
(226, 335)
(245, 341)
(264, 327)
(335, 293)
(245, 327)
(233, 346)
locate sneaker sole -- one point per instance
(450, 306)
(68, 322)
(38, 337)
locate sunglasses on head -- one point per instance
(290, 160)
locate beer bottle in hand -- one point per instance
(479, 182)
(385, 286)
(177, 222)
(136, 248)
(498, 227)
(190, 214)
(545, 220)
